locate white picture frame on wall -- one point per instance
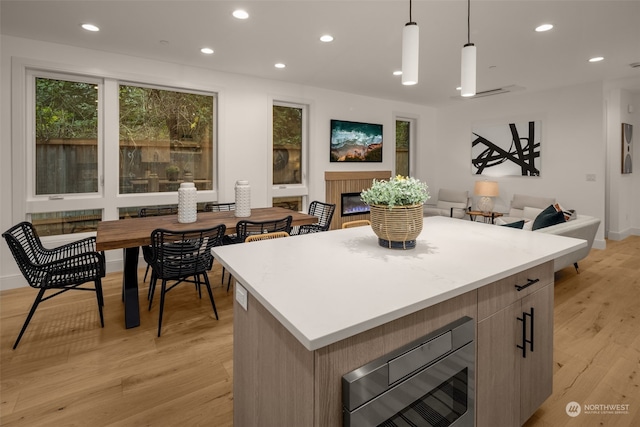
(508, 149)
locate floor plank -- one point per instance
(69, 371)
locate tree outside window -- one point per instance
(66, 131)
(403, 134)
(166, 137)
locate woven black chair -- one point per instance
(222, 207)
(246, 228)
(154, 211)
(219, 207)
(178, 256)
(60, 269)
(324, 212)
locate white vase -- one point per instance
(187, 203)
(243, 199)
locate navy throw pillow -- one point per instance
(548, 217)
(517, 224)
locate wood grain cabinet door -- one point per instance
(536, 369)
(498, 367)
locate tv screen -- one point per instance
(355, 142)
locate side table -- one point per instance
(487, 216)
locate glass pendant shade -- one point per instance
(410, 53)
(468, 70)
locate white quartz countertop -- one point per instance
(325, 287)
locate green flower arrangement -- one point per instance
(397, 191)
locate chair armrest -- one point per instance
(70, 249)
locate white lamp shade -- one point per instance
(468, 70)
(410, 53)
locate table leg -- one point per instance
(130, 287)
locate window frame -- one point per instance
(107, 198)
(413, 124)
(291, 190)
(30, 142)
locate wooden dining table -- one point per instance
(132, 233)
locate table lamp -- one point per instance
(486, 190)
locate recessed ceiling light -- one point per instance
(206, 50)
(397, 73)
(279, 65)
(459, 88)
(240, 14)
(596, 59)
(90, 27)
(544, 27)
(326, 38)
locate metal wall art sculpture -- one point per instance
(627, 148)
(509, 149)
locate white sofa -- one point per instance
(582, 227)
(451, 203)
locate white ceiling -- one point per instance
(367, 45)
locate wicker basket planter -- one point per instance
(397, 228)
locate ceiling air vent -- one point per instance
(491, 92)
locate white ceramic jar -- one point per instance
(187, 203)
(243, 199)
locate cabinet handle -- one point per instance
(526, 341)
(529, 283)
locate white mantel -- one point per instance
(325, 287)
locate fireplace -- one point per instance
(352, 204)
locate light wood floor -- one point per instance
(69, 371)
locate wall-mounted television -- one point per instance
(355, 142)
(352, 204)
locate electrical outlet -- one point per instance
(241, 295)
(591, 177)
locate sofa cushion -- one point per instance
(517, 224)
(548, 217)
(531, 213)
(519, 202)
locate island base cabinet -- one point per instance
(515, 360)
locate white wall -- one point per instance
(623, 201)
(244, 124)
(572, 146)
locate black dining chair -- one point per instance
(182, 256)
(324, 212)
(154, 211)
(246, 228)
(219, 207)
(60, 269)
(222, 207)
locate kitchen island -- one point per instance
(321, 305)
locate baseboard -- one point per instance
(599, 244)
(621, 235)
(12, 281)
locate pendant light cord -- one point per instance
(410, 20)
(468, 21)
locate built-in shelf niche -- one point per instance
(337, 183)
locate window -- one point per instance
(166, 137)
(403, 145)
(66, 136)
(289, 154)
(91, 142)
(287, 144)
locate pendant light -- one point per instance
(410, 51)
(468, 71)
